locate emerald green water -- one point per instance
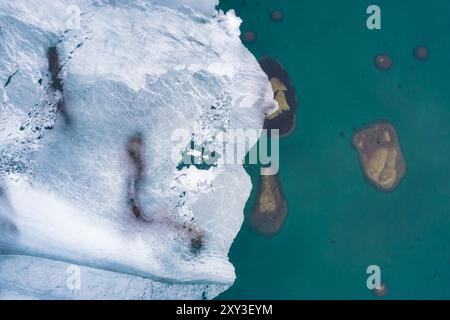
(337, 223)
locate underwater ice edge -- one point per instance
(63, 202)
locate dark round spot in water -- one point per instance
(382, 291)
(383, 62)
(277, 15)
(249, 36)
(421, 53)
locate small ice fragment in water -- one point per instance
(421, 53)
(277, 15)
(383, 62)
(249, 36)
(284, 117)
(382, 291)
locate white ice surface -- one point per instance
(132, 66)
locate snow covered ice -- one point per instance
(129, 68)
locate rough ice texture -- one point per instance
(147, 67)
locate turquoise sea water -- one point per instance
(337, 223)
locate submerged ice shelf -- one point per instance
(131, 68)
